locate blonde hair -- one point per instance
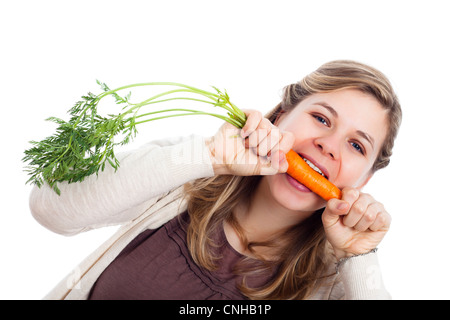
(304, 256)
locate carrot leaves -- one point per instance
(85, 143)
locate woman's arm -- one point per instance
(110, 197)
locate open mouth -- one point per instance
(315, 168)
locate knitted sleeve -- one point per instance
(361, 278)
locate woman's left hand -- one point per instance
(356, 224)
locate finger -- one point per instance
(259, 134)
(253, 120)
(333, 211)
(382, 222)
(266, 166)
(253, 139)
(278, 152)
(278, 161)
(368, 218)
(350, 195)
(357, 211)
(269, 143)
(286, 141)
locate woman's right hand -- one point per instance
(258, 148)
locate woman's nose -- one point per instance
(329, 146)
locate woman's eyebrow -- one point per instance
(365, 136)
(328, 107)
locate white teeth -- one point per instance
(313, 166)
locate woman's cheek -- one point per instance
(351, 175)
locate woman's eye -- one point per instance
(357, 147)
(320, 119)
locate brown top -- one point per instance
(157, 265)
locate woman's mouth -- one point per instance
(315, 166)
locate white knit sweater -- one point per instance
(144, 193)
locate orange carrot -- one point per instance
(303, 173)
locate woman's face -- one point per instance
(341, 132)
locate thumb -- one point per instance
(334, 209)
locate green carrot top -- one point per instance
(83, 145)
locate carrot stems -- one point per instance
(187, 112)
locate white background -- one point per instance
(53, 51)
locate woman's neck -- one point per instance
(261, 219)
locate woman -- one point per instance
(219, 218)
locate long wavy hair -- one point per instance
(303, 253)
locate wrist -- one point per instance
(341, 254)
(342, 260)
